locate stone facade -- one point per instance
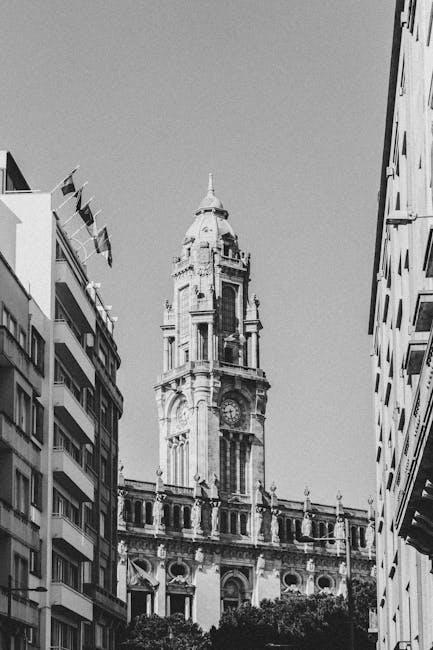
(208, 535)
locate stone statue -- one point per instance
(310, 585)
(199, 558)
(373, 571)
(307, 525)
(215, 518)
(196, 518)
(157, 514)
(275, 529)
(369, 538)
(258, 519)
(161, 553)
(311, 567)
(342, 588)
(260, 569)
(339, 533)
(214, 487)
(122, 551)
(259, 496)
(121, 508)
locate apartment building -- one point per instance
(400, 324)
(60, 409)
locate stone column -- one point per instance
(254, 354)
(160, 575)
(210, 343)
(238, 465)
(206, 601)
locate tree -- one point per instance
(170, 633)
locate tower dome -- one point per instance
(210, 223)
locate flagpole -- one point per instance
(72, 195)
(58, 184)
(77, 211)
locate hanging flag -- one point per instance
(68, 186)
(78, 194)
(86, 214)
(103, 245)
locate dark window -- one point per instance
(224, 521)
(233, 522)
(289, 532)
(138, 508)
(149, 512)
(243, 522)
(167, 515)
(281, 530)
(37, 350)
(176, 517)
(38, 420)
(22, 493)
(202, 342)
(228, 309)
(37, 490)
(127, 510)
(298, 529)
(186, 517)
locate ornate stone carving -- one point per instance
(260, 567)
(199, 558)
(122, 551)
(121, 508)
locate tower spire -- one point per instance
(210, 188)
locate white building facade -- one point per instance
(400, 324)
(208, 534)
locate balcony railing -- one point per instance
(73, 413)
(71, 352)
(18, 525)
(72, 475)
(106, 600)
(68, 534)
(13, 437)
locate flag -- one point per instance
(86, 214)
(68, 185)
(78, 195)
(103, 245)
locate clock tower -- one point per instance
(212, 394)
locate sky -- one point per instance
(284, 101)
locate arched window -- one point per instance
(138, 509)
(187, 517)
(243, 522)
(298, 529)
(233, 593)
(324, 582)
(331, 532)
(314, 529)
(362, 537)
(354, 537)
(281, 531)
(322, 532)
(176, 517)
(167, 515)
(233, 522)
(229, 309)
(149, 512)
(291, 579)
(127, 510)
(223, 521)
(289, 531)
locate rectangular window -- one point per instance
(35, 562)
(64, 570)
(22, 493)
(103, 530)
(63, 441)
(22, 410)
(63, 636)
(103, 354)
(38, 420)
(13, 327)
(63, 507)
(5, 317)
(23, 339)
(103, 469)
(37, 350)
(37, 490)
(21, 573)
(202, 333)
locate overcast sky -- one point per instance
(285, 102)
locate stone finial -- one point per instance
(307, 502)
(370, 508)
(339, 507)
(210, 187)
(197, 490)
(159, 485)
(120, 476)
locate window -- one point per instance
(233, 523)
(21, 493)
(21, 572)
(186, 517)
(13, 326)
(63, 636)
(63, 441)
(149, 512)
(103, 354)
(138, 508)
(176, 517)
(37, 490)
(102, 576)
(103, 469)
(224, 521)
(61, 376)
(62, 506)
(243, 522)
(22, 410)
(101, 636)
(38, 420)
(106, 413)
(37, 350)
(65, 571)
(5, 317)
(324, 582)
(228, 309)
(103, 529)
(35, 562)
(202, 333)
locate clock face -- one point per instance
(182, 414)
(231, 411)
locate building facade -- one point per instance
(400, 324)
(60, 408)
(208, 535)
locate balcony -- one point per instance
(73, 355)
(23, 610)
(423, 315)
(414, 498)
(72, 476)
(70, 538)
(17, 525)
(69, 411)
(74, 297)
(13, 356)
(13, 438)
(70, 601)
(415, 352)
(107, 601)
